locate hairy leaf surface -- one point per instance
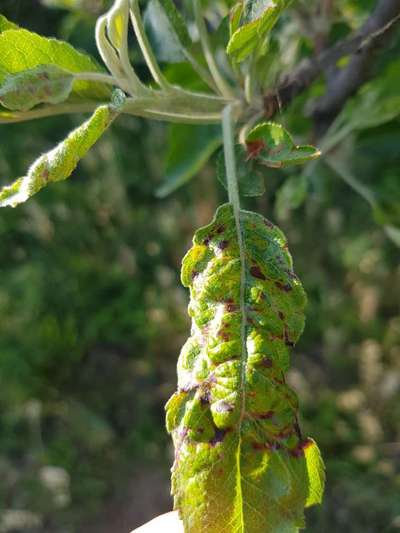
(241, 463)
(43, 84)
(59, 163)
(22, 50)
(259, 17)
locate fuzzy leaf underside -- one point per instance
(43, 84)
(59, 163)
(241, 464)
(22, 50)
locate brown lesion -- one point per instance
(286, 287)
(222, 245)
(254, 148)
(256, 272)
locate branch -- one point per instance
(344, 83)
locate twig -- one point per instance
(344, 83)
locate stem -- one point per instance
(9, 117)
(121, 8)
(146, 49)
(96, 77)
(228, 130)
(108, 53)
(220, 82)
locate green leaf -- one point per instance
(117, 22)
(251, 183)
(260, 16)
(234, 18)
(59, 163)
(273, 146)
(44, 84)
(241, 463)
(291, 195)
(190, 147)
(167, 31)
(377, 102)
(6, 24)
(23, 50)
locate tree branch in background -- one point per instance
(345, 82)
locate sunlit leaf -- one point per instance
(44, 84)
(23, 50)
(259, 17)
(273, 146)
(241, 462)
(59, 163)
(6, 24)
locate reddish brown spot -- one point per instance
(206, 241)
(219, 436)
(200, 430)
(251, 394)
(231, 307)
(220, 471)
(288, 341)
(283, 287)
(205, 398)
(258, 446)
(254, 148)
(256, 272)
(281, 315)
(220, 230)
(268, 224)
(265, 416)
(194, 274)
(224, 336)
(299, 450)
(267, 362)
(223, 244)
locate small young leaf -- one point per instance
(260, 16)
(23, 50)
(44, 84)
(241, 462)
(271, 145)
(251, 182)
(167, 31)
(189, 149)
(59, 163)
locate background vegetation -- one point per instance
(93, 315)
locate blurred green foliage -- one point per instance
(93, 315)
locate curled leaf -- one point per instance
(43, 84)
(59, 163)
(271, 145)
(22, 50)
(241, 462)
